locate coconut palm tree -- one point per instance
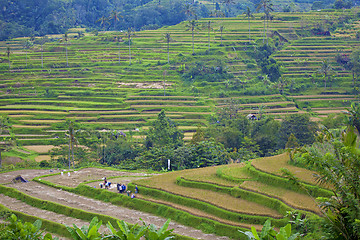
(354, 116)
(209, 28)
(129, 33)
(266, 6)
(221, 29)
(248, 15)
(268, 19)
(103, 21)
(27, 44)
(71, 134)
(43, 40)
(119, 40)
(8, 52)
(115, 15)
(65, 40)
(168, 39)
(193, 26)
(189, 10)
(325, 70)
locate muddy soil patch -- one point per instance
(89, 174)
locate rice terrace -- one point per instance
(179, 119)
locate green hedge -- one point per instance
(220, 174)
(238, 192)
(275, 180)
(68, 211)
(47, 225)
(204, 224)
(208, 207)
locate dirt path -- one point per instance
(17, 205)
(27, 174)
(91, 205)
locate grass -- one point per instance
(275, 163)
(166, 182)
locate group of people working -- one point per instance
(120, 187)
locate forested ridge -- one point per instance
(40, 17)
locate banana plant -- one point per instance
(268, 233)
(125, 233)
(90, 232)
(159, 234)
(16, 229)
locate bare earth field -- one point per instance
(72, 200)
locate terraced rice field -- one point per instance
(100, 92)
(204, 196)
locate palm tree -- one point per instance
(249, 15)
(168, 39)
(266, 5)
(118, 40)
(43, 40)
(221, 29)
(27, 44)
(72, 141)
(164, 76)
(268, 18)
(193, 26)
(325, 70)
(8, 52)
(115, 15)
(266, 80)
(354, 116)
(281, 84)
(129, 33)
(189, 10)
(65, 40)
(209, 28)
(103, 20)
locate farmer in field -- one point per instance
(136, 189)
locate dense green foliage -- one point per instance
(16, 229)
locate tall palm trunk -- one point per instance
(129, 52)
(69, 152)
(264, 26)
(119, 55)
(267, 28)
(325, 81)
(66, 53)
(221, 36)
(72, 153)
(209, 40)
(353, 75)
(249, 29)
(168, 47)
(192, 33)
(42, 59)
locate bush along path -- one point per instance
(105, 208)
